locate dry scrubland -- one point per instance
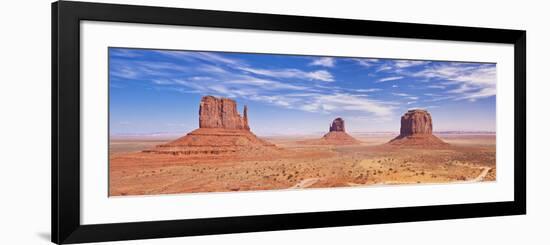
(223, 154)
(467, 158)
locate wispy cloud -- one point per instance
(436, 86)
(324, 61)
(204, 56)
(162, 82)
(346, 102)
(126, 72)
(383, 68)
(368, 90)
(409, 63)
(390, 79)
(266, 84)
(320, 75)
(144, 69)
(296, 97)
(401, 94)
(399, 66)
(472, 81)
(366, 62)
(126, 53)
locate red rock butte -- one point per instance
(221, 113)
(416, 130)
(221, 131)
(336, 136)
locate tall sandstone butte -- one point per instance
(416, 122)
(221, 113)
(337, 125)
(336, 136)
(221, 131)
(416, 130)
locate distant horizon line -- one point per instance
(153, 134)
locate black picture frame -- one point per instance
(65, 167)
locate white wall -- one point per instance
(25, 121)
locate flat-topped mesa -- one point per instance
(416, 130)
(337, 125)
(416, 121)
(221, 113)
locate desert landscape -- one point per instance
(224, 155)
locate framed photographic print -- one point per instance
(177, 122)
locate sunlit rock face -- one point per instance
(416, 122)
(337, 125)
(221, 113)
(416, 130)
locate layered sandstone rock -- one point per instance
(221, 113)
(336, 136)
(416, 130)
(416, 122)
(221, 131)
(337, 125)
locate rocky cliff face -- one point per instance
(416, 122)
(221, 113)
(222, 131)
(337, 125)
(416, 130)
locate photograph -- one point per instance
(183, 121)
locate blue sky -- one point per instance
(158, 91)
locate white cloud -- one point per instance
(340, 102)
(320, 75)
(368, 90)
(296, 97)
(440, 98)
(142, 69)
(390, 79)
(264, 83)
(213, 70)
(204, 56)
(366, 62)
(124, 72)
(127, 53)
(401, 94)
(201, 78)
(153, 67)
(436, 86)
(384, 68)
(472, 81)
(482, 93)
(162, 82)
(409, 63)
(399, 66)
(218, 58)
(324, 61)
